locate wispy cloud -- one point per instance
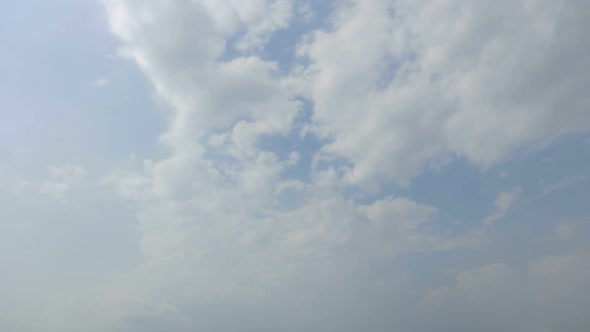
(101, 82)
(564, 184)
(502, 205)
(63, 179)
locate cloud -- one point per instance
(213, 233)
(502, 205)
(63, 179)
(401, 86)
(272, 270)
(229, 237)
(565, 230)
(535, 297)
(563, 184)
(394, 88)
(101, 82)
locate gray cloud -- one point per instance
(547, 295)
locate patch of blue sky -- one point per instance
(390, 66)
(281, 48)
(48, 69)
(460, 187)
(467, 193)
(527, 230)
(230, 52)
(306, 146)
(566, 157)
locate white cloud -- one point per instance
(502, 205)
(395, 87)
(211, 231)
(400, 85)
(177, 45)
(216, 227)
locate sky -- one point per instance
(281, 165)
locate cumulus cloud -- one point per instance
(208, 213)
(230, 238)
(403, 85)
(395, 88)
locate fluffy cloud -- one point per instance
(181, 46)
(213, 229)
(403, 85)
(228, 242)
(177, 44)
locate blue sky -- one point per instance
(265, 165)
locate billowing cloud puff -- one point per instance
(403, 85)
(283, 197)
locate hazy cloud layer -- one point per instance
(284, 197)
